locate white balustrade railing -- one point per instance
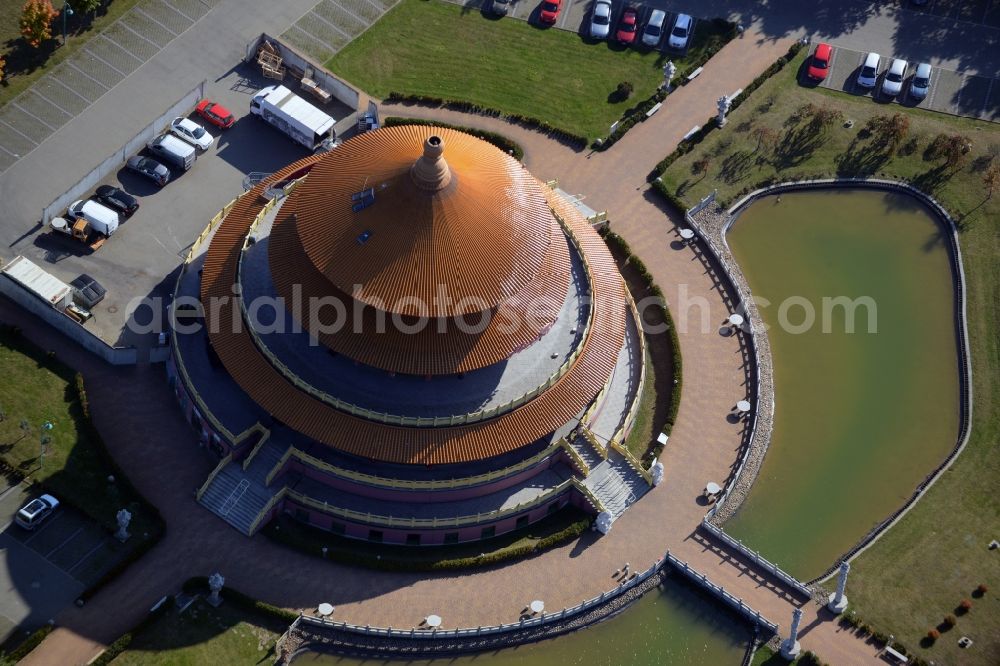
(756, 558)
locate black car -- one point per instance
(87, 291)
(150, 169)
(116, 199)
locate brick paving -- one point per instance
(154, 445)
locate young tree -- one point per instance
(893, 130)
(36, 21)
(823, 117)
(991, 179)
(766, 138)
(700, 166)
(952, 148)
(3, 65)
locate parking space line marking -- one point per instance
(148, 41)
(8, 491)
(87, 556)
(69, 63)
(330, 24)
(43, 528)
(30, 140)
(381, 11)
(345, 9)
(37, 92)
(121, 48)
(32, 115)
(139, 10)
(312, 36)
(87, 50)
(16, 156)
(66, 541)
(565, 16)
(178, 11)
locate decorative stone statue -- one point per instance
(790, 648)
(669, 69)
(723, 104)
(604, 521)
(657, 472)
(215, 583)
(124, 518)
(837, 603)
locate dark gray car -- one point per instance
(149, 168)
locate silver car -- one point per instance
(921, 81)
(500, 7)
(893, 82)
(600, 20)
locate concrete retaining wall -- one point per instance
(292, 58)
(116, 160)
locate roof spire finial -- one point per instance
(430, 172)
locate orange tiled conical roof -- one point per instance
(450, 212)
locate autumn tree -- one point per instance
(891, 130)
(700, 166)
(766, 138)
(36, 21)
(991, 179)
(952, 148)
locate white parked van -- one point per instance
(294, 116)
(174, 151)
(102, 219)
(869, 71)
(681, 33)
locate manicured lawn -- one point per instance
(36, 389)
(223, 636)
(442, 50)
(936, 556)
(25, 64)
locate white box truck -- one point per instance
(294, 116)
(33, 279)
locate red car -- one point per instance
(819, 65)
(549, 11)
(627, 26)
(216, 114)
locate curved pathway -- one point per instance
(156, 447)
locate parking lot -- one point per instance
(44, 571)
(950, 92)
(99, 66)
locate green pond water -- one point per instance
(860, 418)
(673, 624)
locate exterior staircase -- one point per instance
(237, 495)
(616, 484)
(585, 449)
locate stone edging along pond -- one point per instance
(713, 230)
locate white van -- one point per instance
(869, 71)
(102, 219)
(178, 153)
(681, 33)
(653, 32)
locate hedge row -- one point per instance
(199, 585)
(865, 630)
(575, 140)
(687, 145)
(122, 642)
(159, 526)
(628, 120)
(568, 533)
(619, 243)
(26, 646)
(505, 144)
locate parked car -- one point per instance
(216, 114)
(87, 291)
(548, 13)
(869, 71)
(681, 33)
(600, 19)
(921, 81)
(892, 84)
(627, 25)
(192, 132)
(653, 32)
(149, 168)
(100, 217)
(819, 65)
(500, 7)
(117, 199)
(34, 513)
(178, 153)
